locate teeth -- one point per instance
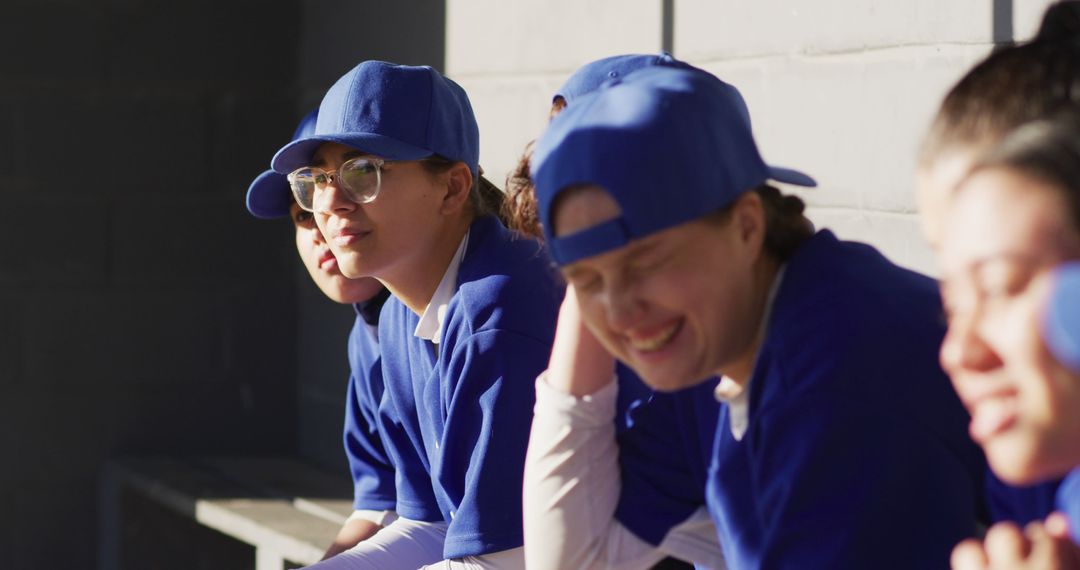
(656, 341)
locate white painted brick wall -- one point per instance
(843, 89)
(711, 29)
(510, 37)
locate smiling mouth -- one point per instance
(655, 341)
(328, 262)
(991, 416)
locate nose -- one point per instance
(332, 199)
(965, 348)
(624, 308)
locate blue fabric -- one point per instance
(269, 196)
(1061, 319)
(670, 145)
(857, 453)
(592, 75)
(664, 454)
(1020, 505)
(369, 464)
(467, 410)
(398, 112)
(1068, 502)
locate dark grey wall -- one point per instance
(338, 34)
(141, 308)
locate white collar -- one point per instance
(737, 396)
(430, 325)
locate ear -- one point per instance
(459, 183)
(748, 218)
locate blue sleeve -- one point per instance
(1068, 502)
(412, 480)
(369, 464)
(662, 465)
(842, 484)
(489, 390)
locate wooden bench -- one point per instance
(287, 511)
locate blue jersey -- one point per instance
(465, 406)
(1068, 502)
(1020, 505)
(369, 464)
(664, 453)
(856, 454)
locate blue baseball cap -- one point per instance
(670, 145)
(1061, 317)
(269, 196)
(591, 76)
(397, 112)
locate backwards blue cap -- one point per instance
(591, 76)
(397, 112)
(269, 196)
(1061, 318)
(670, 145)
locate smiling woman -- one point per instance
(1014, 221)
(269, 197)
(840, 443)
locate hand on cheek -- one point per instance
(1043, 546)
(579, 364)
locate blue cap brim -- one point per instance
(790, 176)
(1061, 319)
(298, 153)
(269, 196)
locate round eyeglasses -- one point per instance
(359, 178)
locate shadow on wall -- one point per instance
(1002, 26)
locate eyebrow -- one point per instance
(351, 154)
(636, 249)
(575, 271)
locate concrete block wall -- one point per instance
(842, 89)
(141, 308)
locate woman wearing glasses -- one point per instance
(840, 443)
(391, 175)
(269, 197)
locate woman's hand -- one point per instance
(579, 364)
(1041, 545)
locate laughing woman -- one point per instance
(840, 443)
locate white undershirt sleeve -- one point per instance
(381, 518)
(403, 543)
(572, 487)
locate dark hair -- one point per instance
(1048, 151)
(1012, 86)
(484, 197)
(520, 209)
(786, 226)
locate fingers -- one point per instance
(1006, 546)
(1057, 525)
(1041, 545)
(969, 555)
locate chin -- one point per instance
(349, 268)
(668, 380)
(1017, 463)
